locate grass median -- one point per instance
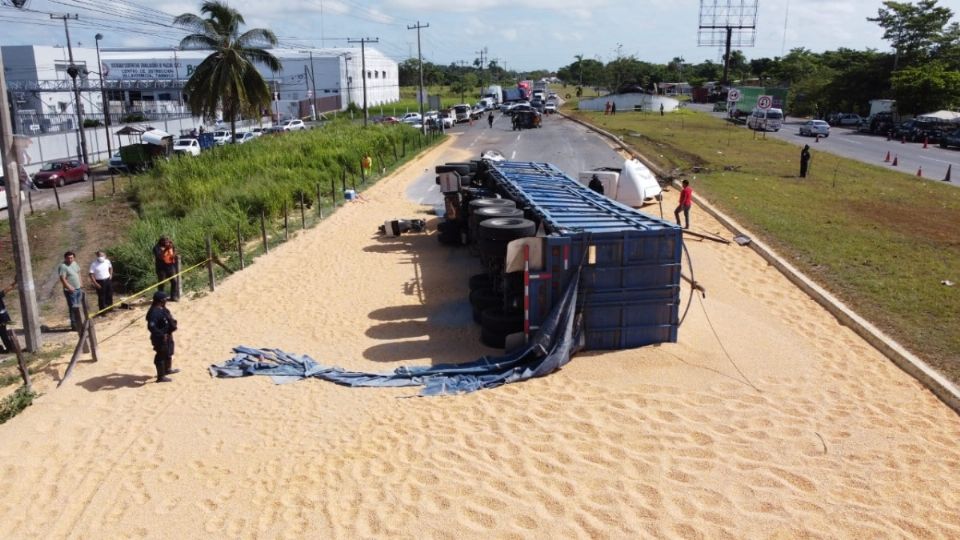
(882, 241)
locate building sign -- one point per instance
(147, 70)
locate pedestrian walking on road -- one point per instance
(490, 119)
(69, 272)
(804, 160)
(101, 275)
(613, 108)
(165, 262)
(162, 325)
(661, 109)
(686, 201)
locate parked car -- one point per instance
(847, 119)
(257, 131)
(221, 138)
(812, 128)
(294, 125)
(410, 116)
(3, 194)
(273, 130)
(116, 163)
(923, 130)
(60, 173)
(950, 139)
(187, 146)
(244, 137)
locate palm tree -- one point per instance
(227, 79)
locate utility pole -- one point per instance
(313, 83)
(176, 73)
(10, 153)
(73, 71)
(482, 52)
(103, 98)
(363, 67)
(420, 96)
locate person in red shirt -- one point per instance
(686, 201)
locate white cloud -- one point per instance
(509, 34)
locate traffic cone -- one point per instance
(887, 159)
(947, 177)
(895, 158)
(920, 172)
(925, 141)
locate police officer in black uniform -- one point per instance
(162, 325)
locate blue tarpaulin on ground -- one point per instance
(547, 351)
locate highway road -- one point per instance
(567, 145)
(870, 149)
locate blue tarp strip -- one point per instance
(547, 351)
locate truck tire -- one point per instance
(498, 321)
(481, 281)
(488, 212)
(482, 299)
(494, 234)
(462, 168)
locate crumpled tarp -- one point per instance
(547, 351)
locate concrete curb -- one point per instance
(945, 390)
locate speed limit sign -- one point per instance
(764, 102)
(733, 95)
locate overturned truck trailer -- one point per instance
(630, 283)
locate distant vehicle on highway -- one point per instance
(294, 125)
(812, 128)
(847, 119)
(60, 173)
(765, 119)
(242, 138)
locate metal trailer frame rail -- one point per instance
(630, 286)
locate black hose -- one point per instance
(692, 282)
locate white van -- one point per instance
(765, 119)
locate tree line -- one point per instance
(922, 71)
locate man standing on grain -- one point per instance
(686, 201)
(162, 325)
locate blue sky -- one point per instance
(524, 34)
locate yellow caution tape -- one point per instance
(155, 285)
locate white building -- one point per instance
(42, 91)
(148, 81)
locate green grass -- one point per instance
(16, 402)
(879, 239)
(190, 199)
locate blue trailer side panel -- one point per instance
(630, 285)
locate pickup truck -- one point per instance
(187, 146)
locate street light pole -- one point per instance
(73, 71)
(103, 97)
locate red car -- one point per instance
(59, 173)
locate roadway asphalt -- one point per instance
(565, 144)
(870, 149)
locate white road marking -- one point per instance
(513, 155)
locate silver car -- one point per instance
(813, 128)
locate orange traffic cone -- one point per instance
(925, 141)
(887, 159)
(895, 158)
(947, 177)
(920, 172)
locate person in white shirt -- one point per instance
(101, 274)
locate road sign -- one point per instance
(733, 95)
(764, 102)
